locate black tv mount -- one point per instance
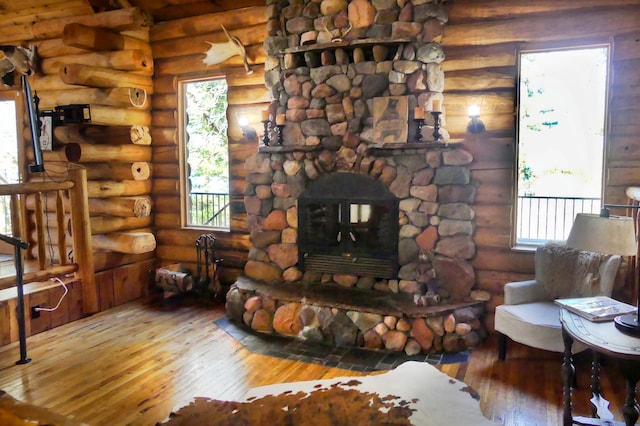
(60, 116)
(69, 114)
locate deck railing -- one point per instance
(80, 231)
(550, 218)
(210, 209)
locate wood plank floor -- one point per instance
(134, 364)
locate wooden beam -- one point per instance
(98, 39)
(86, 153)
(119, 97)
(103, 77)
(189, 45)
(467, 10)
(125, 188)
(112, 135)
(122, 60)
(37, 29)
(125, 242)
(179, 11)
(589, 24)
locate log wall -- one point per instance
(104, 60)
(179, 48)
(481, 41)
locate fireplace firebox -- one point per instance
(348, 224)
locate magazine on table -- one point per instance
(597, 308)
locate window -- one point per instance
(561, 122)
(9, 164)
(205, 155)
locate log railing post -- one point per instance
(62, 233)
(81, 229)
(39, 216)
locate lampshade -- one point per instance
(610, 235)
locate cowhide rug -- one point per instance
(414, 393)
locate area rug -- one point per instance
(354, 359)
(414, 393)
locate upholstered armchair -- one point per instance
(529, 315)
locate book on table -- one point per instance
(597, 308)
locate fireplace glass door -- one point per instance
(348, 235)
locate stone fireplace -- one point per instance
(358, 239)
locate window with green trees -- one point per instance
(205, 154)
(561, 122)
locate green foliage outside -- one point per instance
(207, 146)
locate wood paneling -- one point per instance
(481, 41)
(179, 47)
(97, 75)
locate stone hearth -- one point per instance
(334, 315)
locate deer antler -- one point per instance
(339, 37)
(324, 26)
(347, 30)
(240, 48)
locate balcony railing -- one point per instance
(210, 209)
(550, 218)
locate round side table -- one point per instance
(601, 338)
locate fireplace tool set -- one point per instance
(208, 266)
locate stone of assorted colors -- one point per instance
(361, 13)
(331, 7)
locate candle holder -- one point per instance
(279, 128)
(436, 125)
(419, 123)
(265, 137)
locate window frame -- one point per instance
(182, 81)
(16, 95)
(552, 47)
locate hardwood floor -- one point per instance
(134, 364)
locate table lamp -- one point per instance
(608, 234)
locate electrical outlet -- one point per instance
(34, 312)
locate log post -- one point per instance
(123, 97)
(111, 135)
(40, 241)
(86, 75)
(140, 135)
(135, 206)
(166, 170)
(107, 224)
(123, 60)
(127, 188)
(125, 242)
(99, 39)
(139, 170)
(121, 206)
(16, 217)
(18, 225)
(110, 116)
(164, 136)
(81, 230)
(132, 18)
(85, 153)
(62, 235)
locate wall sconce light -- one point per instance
(248, 131)
(475, 125)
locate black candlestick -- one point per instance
(419, 123)
(265, 138)
(279, 128)
(436, 125)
